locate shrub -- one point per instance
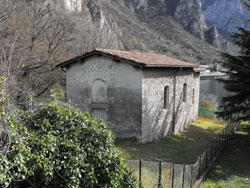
(58, 146)
(208, 104)
(207, 110)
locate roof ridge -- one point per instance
(140, 58)
(136, 52)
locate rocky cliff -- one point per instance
(173, 27)
(176, 28)
(189, 14)
(225, 15)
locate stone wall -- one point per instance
(109, 89)
(158, 122)
(197, 94)
(131, 99)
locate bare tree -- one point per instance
(6, 8)
(34, 37)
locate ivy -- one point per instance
(58, 146)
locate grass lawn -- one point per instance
(233, 166)
(181, 148)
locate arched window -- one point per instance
(184, 92)
(166, 97)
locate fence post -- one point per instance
(140, 182)
(215, 145)
(212, 152)
(222, 139)
(160, 185)
(206, 158)
(173, 176)
(199, 170)
(224, 136)
(226, 133)
(219, 141)
(183, 176)
(191, 177)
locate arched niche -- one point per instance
(99, 92)
(99, 95)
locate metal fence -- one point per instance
(169, 175)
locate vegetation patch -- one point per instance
(207, 110)
(181, 148)
(232, 169)
(58, 146)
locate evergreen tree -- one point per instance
(237, 105)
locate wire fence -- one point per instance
(170, 175)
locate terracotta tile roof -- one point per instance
(198, 69)
(141, 59)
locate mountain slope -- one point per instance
(145, 25)
(225, 15)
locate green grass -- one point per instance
(233, 166)
(181, 148)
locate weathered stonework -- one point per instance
(158, 122)
(120, 105)
(147, 103)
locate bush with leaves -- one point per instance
(208, 104)
(58, 146)
(207, 110)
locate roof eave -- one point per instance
(66, 63)
(171, 66)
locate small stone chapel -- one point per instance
(141, 95)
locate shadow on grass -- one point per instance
(233, 166)
(181, 148)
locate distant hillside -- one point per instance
(146, 25)
(225, 15)
(50, 32)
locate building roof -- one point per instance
(140, 59)
(198, 69)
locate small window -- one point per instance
(166, 97)
(193, 96)
(184, 92)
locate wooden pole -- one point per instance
(191, 177)
(159, 184)
(173, 176)
(183, 176)
(140, 182)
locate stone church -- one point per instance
(141, 95)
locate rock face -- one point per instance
(225, 15)
(94, 27)
(189, 14)
(205, 19)
(173, 27)
(213, 37)
(73, 5)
